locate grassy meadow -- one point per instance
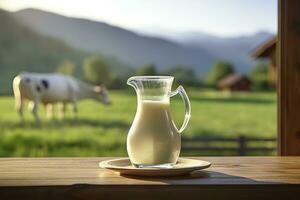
(101, 130)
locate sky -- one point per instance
(217, 17)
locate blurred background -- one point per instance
(221, 51)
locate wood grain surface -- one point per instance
(81, 178)
(289, 77)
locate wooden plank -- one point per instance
(289, 77)
(187, 148)
(70, 171)
(129, 192)
(81, 178)
(250, 139)
(208, 139)
(239, 145)
(224, 139)
(168, 192)
(235, 149)
(259, 149)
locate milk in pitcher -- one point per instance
(153, 139)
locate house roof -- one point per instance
(265, 49)
(231, 80)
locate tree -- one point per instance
(97, 71)
(259, 76)
(183, 75)
(147, 70)
(219, 70)
(66, 67)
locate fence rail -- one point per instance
(238, 145)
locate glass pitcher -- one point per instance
(153, 139)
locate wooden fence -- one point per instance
(229, 146)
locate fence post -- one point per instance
(242, 145)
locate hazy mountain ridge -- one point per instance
(232, 49)
(195, 50)
(21, 49)
(128, 46)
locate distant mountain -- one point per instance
(193, 49)
(129, 47)
(21, 49)
(233, 49)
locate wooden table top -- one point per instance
(225, 172)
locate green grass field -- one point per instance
(101, 130)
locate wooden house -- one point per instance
(235, 82)
(268, 50)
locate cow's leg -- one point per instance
(49, 109)
(75, 110)
(19, 103)
(62, 110)
(19, 100)
(33, 106)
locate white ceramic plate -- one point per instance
(183, 166)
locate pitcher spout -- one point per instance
(132, 82)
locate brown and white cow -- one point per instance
(53, 88)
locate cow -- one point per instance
(53, 88)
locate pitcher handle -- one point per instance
(187, 105)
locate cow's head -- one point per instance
(102, 94)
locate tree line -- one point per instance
(96, 70)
